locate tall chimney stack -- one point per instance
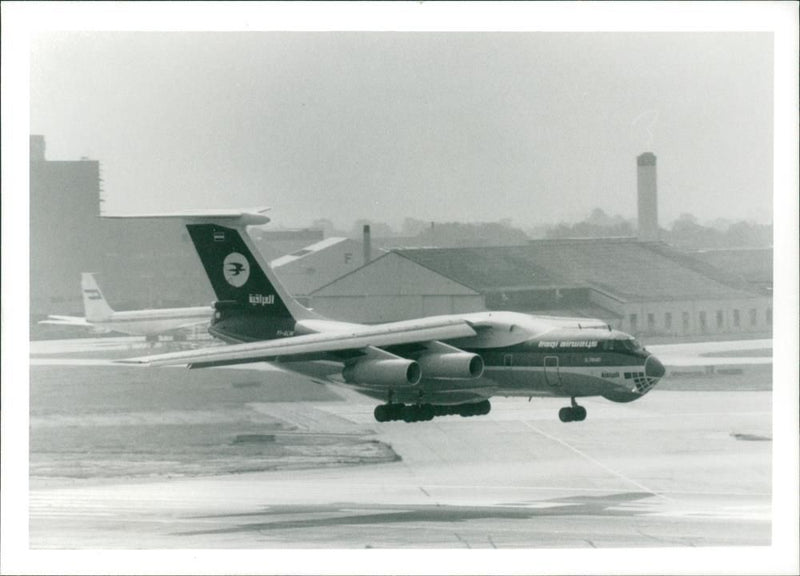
(367, 244)
(648, 197)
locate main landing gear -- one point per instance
(425, 412)
(572, 413)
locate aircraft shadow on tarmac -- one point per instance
(370, 514)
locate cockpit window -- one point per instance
(630, 345)
(626, 345)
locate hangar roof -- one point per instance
(620, 267)
(393, 275)
(313, 248)
(752, 264)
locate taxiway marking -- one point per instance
(594, 461)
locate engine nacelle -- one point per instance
(460, 365)
(388, 372)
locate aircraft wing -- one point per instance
(66, 321)
(354, 338)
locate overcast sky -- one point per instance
(537, 127)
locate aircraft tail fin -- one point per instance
(95, 306)
(251, 302)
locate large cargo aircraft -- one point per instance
(148, 323)
(418, 369)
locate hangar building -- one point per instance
(393, 287)
(64, 229)
(141, 263)
(753, 266)
(638, 287)
(305, 270)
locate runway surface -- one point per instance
(688, 467)
(726, 353)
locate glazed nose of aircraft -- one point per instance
(653, 368)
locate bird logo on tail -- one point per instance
(236, 269)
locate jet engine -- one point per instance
(460, 365)
(383, 372)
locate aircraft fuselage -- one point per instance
(523, 355)
(157, 321)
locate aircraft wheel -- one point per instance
(381, 413)
(415, 413)
(439, 410)
(427, 412)
(395, 411)
(566, 415)
(579, 413)
(407, 414)
(475, 408)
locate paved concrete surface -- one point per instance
(676, 469)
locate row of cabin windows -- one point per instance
(702, 320)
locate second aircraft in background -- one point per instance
(148, 323)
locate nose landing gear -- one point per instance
(574, 413)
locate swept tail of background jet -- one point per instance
(95, 307)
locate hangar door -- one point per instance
(433, 305)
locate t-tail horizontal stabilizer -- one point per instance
(232, 217)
